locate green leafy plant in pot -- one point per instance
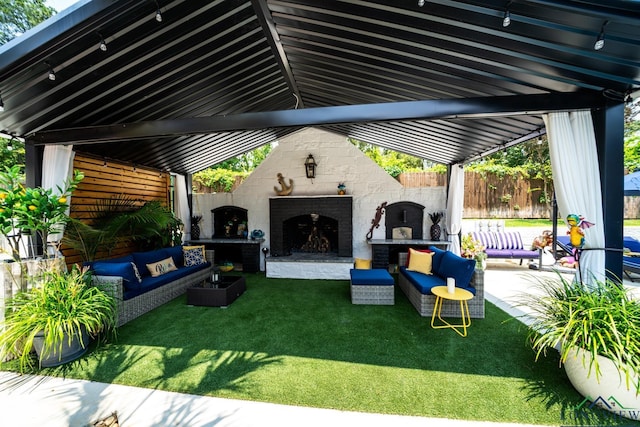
(596, 328)
(56, 319)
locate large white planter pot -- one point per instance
(610, 390)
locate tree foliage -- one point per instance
(391, 161)
(11, 153)
(18, 16)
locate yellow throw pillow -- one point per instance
(158, 268)
(420, 261)
(363, 264)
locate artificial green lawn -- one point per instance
(302, 342)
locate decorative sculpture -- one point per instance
(285, 189)
(375, 222)
(576, 224)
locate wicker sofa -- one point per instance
(138, 294)
(416, 286)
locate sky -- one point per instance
(60, 5)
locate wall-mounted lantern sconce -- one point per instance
(310, 167)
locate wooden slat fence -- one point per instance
(104, 179)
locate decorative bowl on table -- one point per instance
(226, 268)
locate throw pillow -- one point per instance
(437, 258)
(420, 261)
(459, 268)
(415, 250)
(161, 267)
(363, 264)
(193, 255)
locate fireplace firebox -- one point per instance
(316, 225)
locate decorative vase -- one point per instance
(436, 232)
(195, 232)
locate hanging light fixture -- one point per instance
(103, 44)
(310, 167)
(158, 13)
(52, 74)
(599, 44)
(506, 20)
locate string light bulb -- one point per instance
(599, 44)
(1, 104)
(506, 21)
(158, 13)
(52, 74)
(421, 3)
(103, 44)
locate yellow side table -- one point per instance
(461, 295)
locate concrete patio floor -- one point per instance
(37, 401)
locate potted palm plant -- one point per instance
(56, 319)
(596, 328)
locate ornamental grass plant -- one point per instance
(601, 318)
(60, 308)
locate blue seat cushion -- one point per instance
(630, 243)
(376, 276)
(423, 282)
(149, 283)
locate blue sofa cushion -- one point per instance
(423, 282)
(149, 283)
(376, 276)
(437, 258)
(143, 258)
(630, 243)
(175, 252)
(125, 269)
(459, 268)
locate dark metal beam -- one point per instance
(394, 111)
(273, 38)
(609, 130)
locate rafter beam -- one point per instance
(383, 112)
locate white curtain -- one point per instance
(455, 203)
(182, 206)
(57, 169)
(576, 178)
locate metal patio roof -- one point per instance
(445, 81)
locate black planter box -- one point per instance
(219, 294)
